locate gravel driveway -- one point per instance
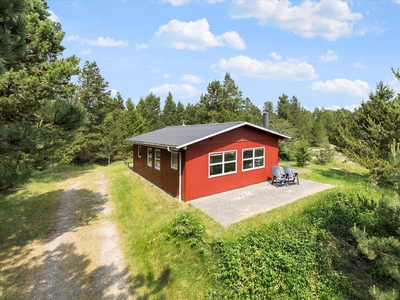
(235, 205)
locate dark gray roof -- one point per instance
(182, 136)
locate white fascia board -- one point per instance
(232, 128)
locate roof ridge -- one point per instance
(208, 124)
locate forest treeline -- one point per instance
(47, 118)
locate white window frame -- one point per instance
(157, 159)
(172, 155)
(139, 151)
(150, 155)
(223, 162)
(253, 159)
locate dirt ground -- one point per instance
(82, 259)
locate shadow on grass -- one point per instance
(152, 284)
(40, 218)
(63, 273)
(340, 175)
(61, 173)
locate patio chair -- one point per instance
(291, 176)
(278, 178)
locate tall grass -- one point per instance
(161, 268)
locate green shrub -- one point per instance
(339, 210)
(187, 227)
(288, 260)
(302, 153)
(325, 155)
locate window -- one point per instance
(139, 151)
(174, 160)
(149, 157)
(253, 159)
(221, 163)
(158, 159)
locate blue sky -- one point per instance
(328, 53)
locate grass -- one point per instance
(28, 215)
(161, 267)
(168, 268)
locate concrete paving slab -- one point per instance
(235, 205)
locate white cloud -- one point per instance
(139, 47)
(53, 16)
(100, 41)
(113, 92)
(183, 91)
(183, 2)
(356, 88)
(394, 83)
(330, 55)
(291, 69)
(196, 36)
(360, 65)
(86, 52)
(396, 1)
(166, 75)
(329, 19)
(177, 2)
(275, 56)
(350, 107)
(191, 79)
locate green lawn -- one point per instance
(168, 267)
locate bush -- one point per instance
(187, 227)
(325, 155)
(302, 153)
(289, 260)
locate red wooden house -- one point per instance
(199, 160)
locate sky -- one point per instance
(329, 54)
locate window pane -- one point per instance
(158, 164)
(215, 158)
(247, 154)
(174, 160)
(229, 156)
(158, 154)
(259, 162)
(229, 167)
(247, 164)
(215, 170)
(259, 152)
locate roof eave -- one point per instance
(281, 136)
(164, 146)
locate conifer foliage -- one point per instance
(37, 112)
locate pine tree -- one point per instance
(38, 115)
(374, 126)
(383, 248)
(94, 95)
(150, 111)
(169, 116)
(302, 153)
(180, 113)
(222, 102)
(13, 30)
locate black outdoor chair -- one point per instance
(291, 176)
(278, 178)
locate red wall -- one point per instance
(195, 180)
(166, 178)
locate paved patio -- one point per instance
(235, 205)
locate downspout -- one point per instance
(179, 175)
